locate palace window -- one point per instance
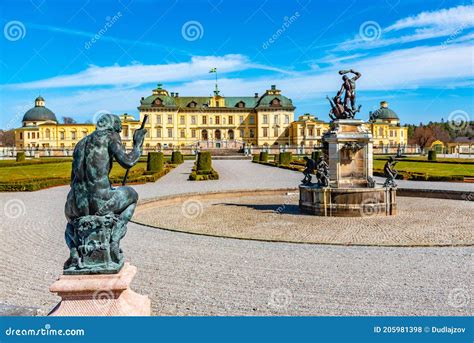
(218, 103)
(182, 134)
(21, 135)
(192, 104)
(223, 120)
(158, 133)
(380, 132)
(265, 119)
(158, 102)
(193, 133)
(241, 119)
(231, 120)
(170, 119)
(73, 135)
(275, 119)
(181, 120)
(275, 131)
(311, 131)
(193, 120)
(302, 131)
(242, 134)
(318, 132)
(265, 132)
(252, 120)
(158, 119)
(48, 133)
(287, 119)
(210, 120)
(204, 120)
(218, 120)
(241, 104)
(275, 103)
(170, 133)
(61, 135)
(252, 133)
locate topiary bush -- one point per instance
(285, 158)
(315, 155)
(263, 156)
(155, 162)
(20, 156)
(176, 157)
(255, 158)
(432, 155)
(204, 161)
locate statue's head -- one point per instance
(109, 122)
(306, 158)
(391, 159)
(345, 77)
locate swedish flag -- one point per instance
(213, 70)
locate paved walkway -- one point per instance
(197, 275)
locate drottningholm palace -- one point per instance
(215, 122)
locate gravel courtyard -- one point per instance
(188, 274)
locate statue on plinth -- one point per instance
(97, 212)
(341, 109)
(390, 173)
(309, 169)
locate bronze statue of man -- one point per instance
(349, 87)
(309, 169)
(390, 173)
(97, 212)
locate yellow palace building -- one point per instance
(174, 121)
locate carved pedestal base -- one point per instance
(100, 295)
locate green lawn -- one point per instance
(435, 168)
(425, 158)
(51, 170)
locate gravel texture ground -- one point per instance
(419, 222)
(197, 275)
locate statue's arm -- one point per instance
(357, 75)
(126, 160)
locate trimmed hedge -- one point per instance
(202, 169)
(30, 186)
(256, 158)
(204, 161)
(432, 155)
(155, 162)
(20, 156)
(177, 157)
(315, 155)
(285, 158)
(263, 156)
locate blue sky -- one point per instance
(417, 55)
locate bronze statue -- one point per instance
(341, 109)
(390, 173)
(309, 169)
(322, 173)
(97, 212)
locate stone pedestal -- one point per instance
(100, 295)
(350, 153)
(348, 202)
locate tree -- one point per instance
(69, 120)
(423, 136)
(7, 138)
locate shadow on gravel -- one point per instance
(268, 208)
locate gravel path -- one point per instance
(197, 275)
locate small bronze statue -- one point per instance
(390, 173)
(322, 173)
(341, 109)
(97, 212)
(309, 169)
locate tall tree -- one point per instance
(423, 136)
(69, 120)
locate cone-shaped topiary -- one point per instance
(432, 155)
(264, 156)
(176, 157)
(20, 156)
(285, 158)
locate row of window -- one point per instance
(392, 133)
(276, 119)
(47, 135)
(204, 134)
(221, 119)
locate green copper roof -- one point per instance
(266, 99)
(384, 113)
(39, 113)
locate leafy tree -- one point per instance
(69, 120)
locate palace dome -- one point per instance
(39, 112)
(384, 112)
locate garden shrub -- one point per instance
(155, 162)
(255, 158)
(432, 155)
(20, 156)
(285, 158)
(315, 155)
(263, 156)
(176, 157)
(204, 161)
